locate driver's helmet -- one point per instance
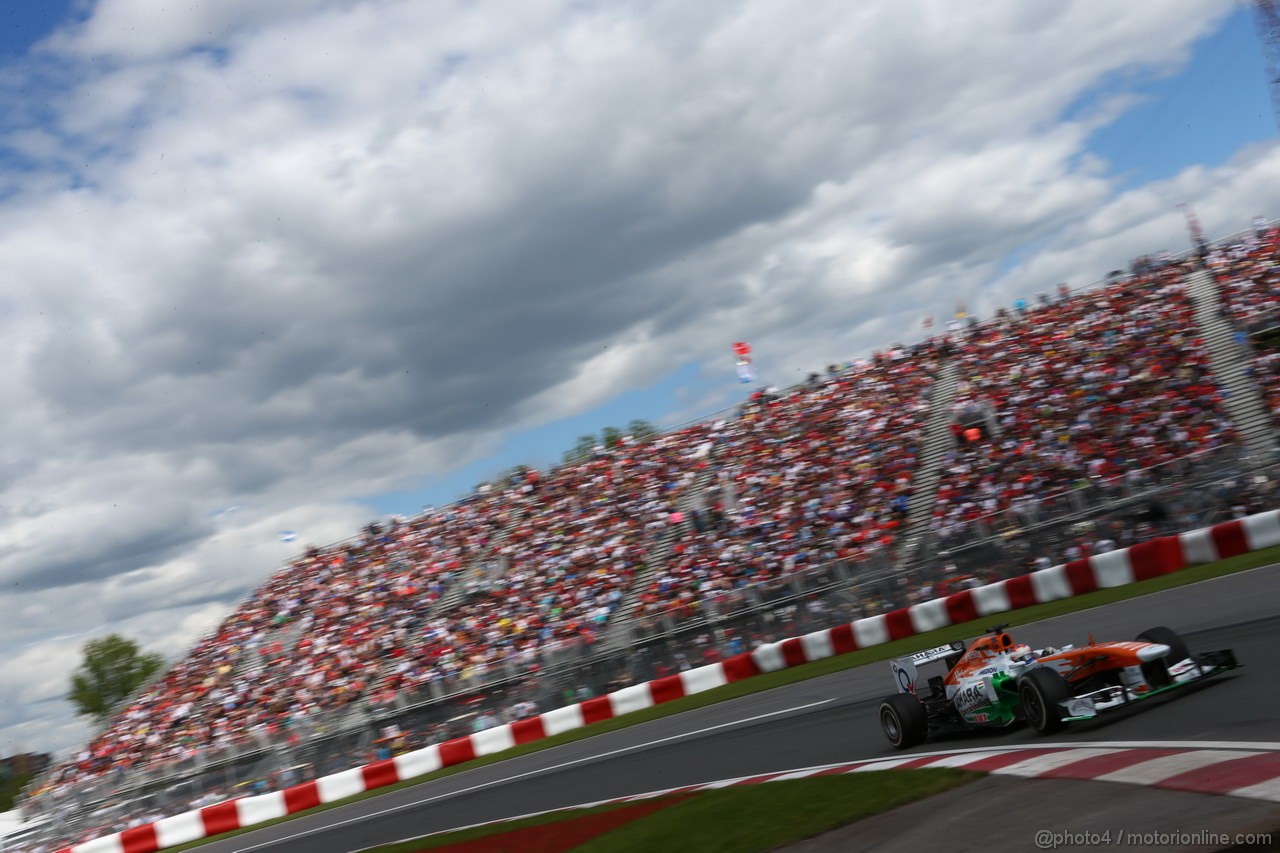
(1021, 653)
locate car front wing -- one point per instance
(1198, 667)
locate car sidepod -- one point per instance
(988, 699)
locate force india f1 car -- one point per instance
(995, 682)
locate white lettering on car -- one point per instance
(971, 697)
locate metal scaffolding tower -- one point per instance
(1267, 20)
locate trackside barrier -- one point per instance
(1116, 568)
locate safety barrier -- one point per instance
(1115, 568)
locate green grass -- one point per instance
(443, 839)
(762, 817)
(736, 820)
(771, 680)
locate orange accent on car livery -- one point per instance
(1078, 664)
(1072, 664)
(980, 655)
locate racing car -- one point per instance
(995, 683)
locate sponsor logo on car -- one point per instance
(905, 679)
(971, 697)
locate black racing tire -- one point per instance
(1039, 692)
(903, 720)
(1178, 650)
(1156, 672)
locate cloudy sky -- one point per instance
(293, 265)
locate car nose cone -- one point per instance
(1153, 651)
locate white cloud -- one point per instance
(284, 255)
(141, 30)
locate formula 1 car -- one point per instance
(995, 683)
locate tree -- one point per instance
(611, 437)
(582, 450)
(10, 786)
(113, 667)
(641, 430)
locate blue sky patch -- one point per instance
(1203, 115)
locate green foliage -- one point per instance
(641, 430)
(502, 480)
(112, 668)
(583, 449)
(611, 437)
(10, 787)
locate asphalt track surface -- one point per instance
(826, 720)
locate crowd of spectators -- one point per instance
(1079, 390)
(573, 544)
(343, 607)
(1247, 272)
(360, 619)
(1266, 370)
(822, 471)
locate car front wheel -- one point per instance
(1156, 672)
(1040, 691)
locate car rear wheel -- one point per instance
(1156, 672)
(904, 720)
(1040, 691)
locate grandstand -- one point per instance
(846, 495)
(1247, 274)
(1095, 387)
(819, 473)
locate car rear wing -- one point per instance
(930, 655)
(904, 669)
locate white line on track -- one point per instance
(1150, 595)
(538, 772)
(1076, 750)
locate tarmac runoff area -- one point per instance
(833, 719)
(1000, 813)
